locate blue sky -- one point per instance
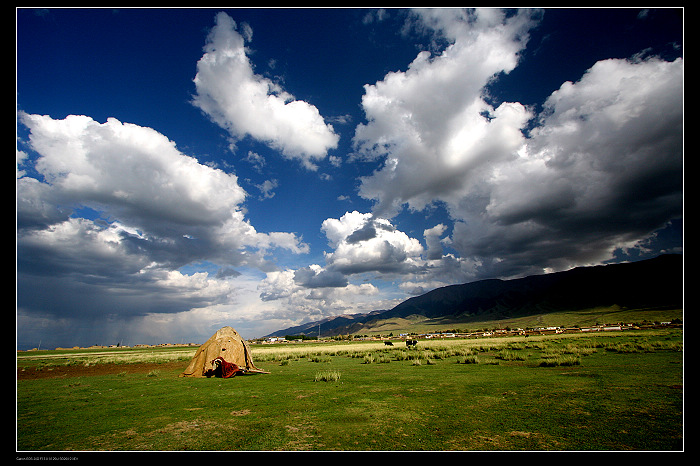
(183, 169)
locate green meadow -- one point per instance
(610, 391)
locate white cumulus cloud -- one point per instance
(431, 122)
(248, 104)
(599, 169)
(602, 170)
(366, 244)
(117, 211)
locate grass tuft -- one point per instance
(327, 376)
(473, 359)
(564, 360)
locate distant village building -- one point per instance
(275, 340)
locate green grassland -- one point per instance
(567, 392)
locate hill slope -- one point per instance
(650, 283)
(328, 326)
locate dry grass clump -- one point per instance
(327, 376)
(561, 360)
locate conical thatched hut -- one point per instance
(219, 353)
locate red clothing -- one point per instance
(227, 369)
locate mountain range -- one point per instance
(651, 283)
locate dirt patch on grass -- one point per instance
(79, 370)
(180, 435)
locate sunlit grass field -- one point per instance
(603, 392)
(88, 357)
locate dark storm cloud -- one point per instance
(309, 278)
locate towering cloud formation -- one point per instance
(431, 122)
(601, 170)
